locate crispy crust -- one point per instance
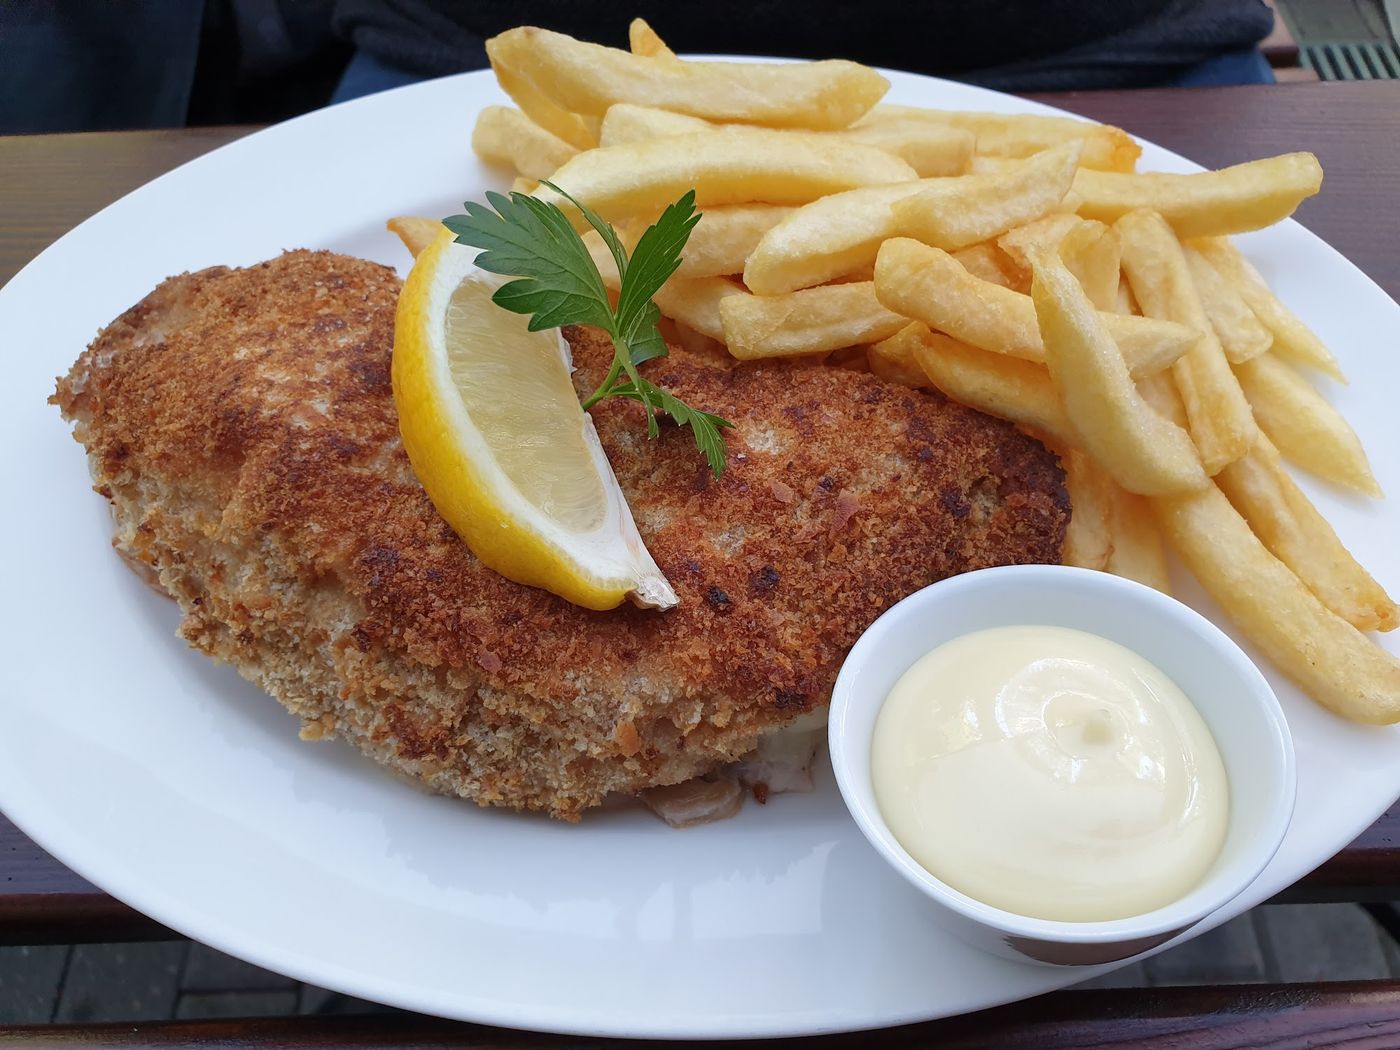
(242, 424)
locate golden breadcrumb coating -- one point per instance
(242, 425)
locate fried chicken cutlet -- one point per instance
(242, 426)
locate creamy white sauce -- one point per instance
(1051, 773)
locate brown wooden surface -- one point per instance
(1367, 870)
(1358, 1014)
(50, 183)
(1279, 47)
(1352, 126)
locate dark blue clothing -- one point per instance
(77, 65)
(97, 65)
(82, 67)
(367, 74)
(1012, 45)
(1247, 66)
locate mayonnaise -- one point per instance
(1051, 773)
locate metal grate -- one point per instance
(1371, 60)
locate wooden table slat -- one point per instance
(1352, 126)
(1360, 1013)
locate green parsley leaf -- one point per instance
(528, 238)
(654, 260)
(648, 344)
(522, 236)
(605, 230)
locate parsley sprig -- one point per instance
(525, 237)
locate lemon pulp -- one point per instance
(513, 398)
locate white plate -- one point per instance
(185, 792)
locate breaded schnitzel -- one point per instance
(242, 425)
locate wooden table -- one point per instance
(51, 183)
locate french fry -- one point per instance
(1160, 392)
(1221, 422)
(1091, 251)
(824, 239)
(506, 136)
(1000, 386)
(415, 231)
(625, 123)
(987, 262)
(1336, 664)
(1069, 203)
(929, 285)
(723, 166)
(1304, 426)
(1138, 552)
(983, 164)
(1143, 452)
(1245, 197)
(892, 359)
(1146, 562)
(1297, 534)
(861, 273)
(830, 237)
(1126, 304)
(643, 41)
(696, 303)
(554, 118)
(810, 321)
(1044, 233)
(726, 236)
(1292, 338)
(931, 150)
(1088, 537)
(588, 78)
(593, 124)
(1242, 335)
(1022, 135)
(698, 343)
(1111, 529)
(954, 213)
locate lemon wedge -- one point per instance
(494, 430)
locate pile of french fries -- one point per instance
(1018, 264)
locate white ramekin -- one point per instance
(1232, 696)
